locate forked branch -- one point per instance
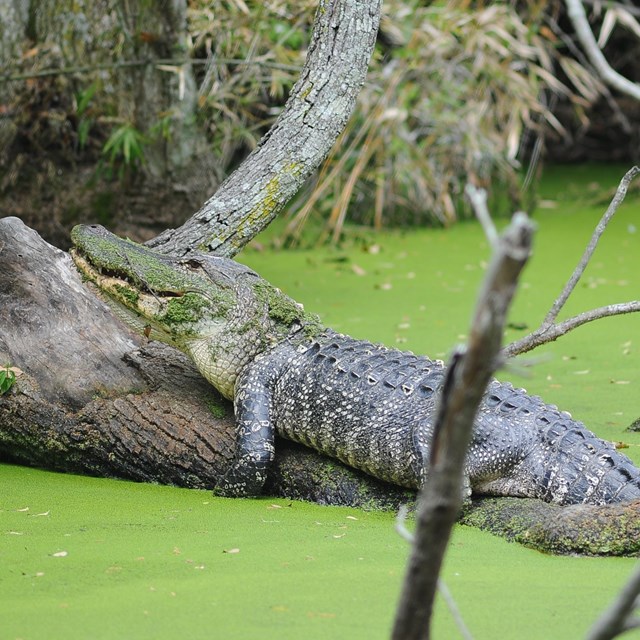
(549, 330)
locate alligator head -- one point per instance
(217, 311)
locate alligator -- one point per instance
(367, 405)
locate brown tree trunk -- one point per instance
(53, 128)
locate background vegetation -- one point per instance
(457, 91)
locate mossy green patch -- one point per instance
(217, 406)
(128, 295)
(185, 309)
(86, 557)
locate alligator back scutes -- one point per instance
(372, 365)
(374, 407)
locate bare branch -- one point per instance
(587, 40)
(478, 199)
(553, 331)
(468, 374)
(621, 192)
(123, 64)
(549, 330)
(620, 615)
(401, 527)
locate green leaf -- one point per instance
(7, 378)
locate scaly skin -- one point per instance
(366, 405)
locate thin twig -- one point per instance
(621, 192)
(553, 331)
(401, 527)
(478, 199)
(443, 590)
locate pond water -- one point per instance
(95, 558)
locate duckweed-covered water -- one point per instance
(95, 558)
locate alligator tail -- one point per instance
(581, 468)
(553, 456)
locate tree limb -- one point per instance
(618, 198)
(123, 64)
(315, 114)
(580, 23)
(552, 332)
(467, 377)
(619, 617)
(549, 330)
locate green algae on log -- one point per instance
(612, 529)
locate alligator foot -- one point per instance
(244, 478)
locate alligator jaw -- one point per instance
(157, 296)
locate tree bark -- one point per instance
(344, 35)
(96, 32)
(53, 128)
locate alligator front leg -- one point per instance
(254, 438)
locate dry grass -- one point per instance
(455, 92)
(448, 103)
